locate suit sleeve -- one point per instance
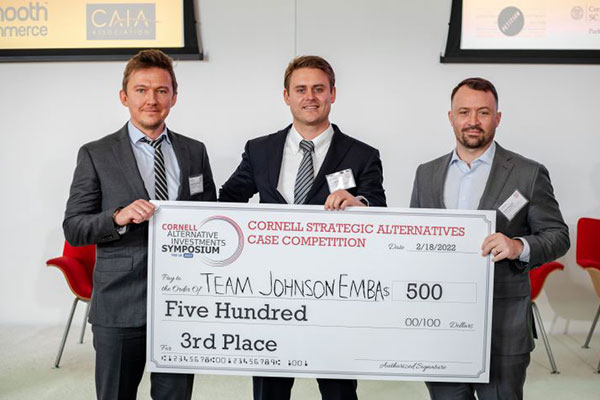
(240, 186)
(549, 238)
(210, 190)
(414, 198)
(85, 222)
(370, 182)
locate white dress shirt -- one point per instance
(292, 155)
(144, 157)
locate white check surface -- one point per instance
(270, 290)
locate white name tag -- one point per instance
(341, 180)
(196, 184)
(513, 205)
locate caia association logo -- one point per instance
(121, 21)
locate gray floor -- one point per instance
(27, 354)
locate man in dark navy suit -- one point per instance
(291, 167)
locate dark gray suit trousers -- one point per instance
(120, 362)
(507, 377)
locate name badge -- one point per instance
(196, 184)
(341, 180)
(513, 205)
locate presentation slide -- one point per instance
(530, 25)
(84, 24)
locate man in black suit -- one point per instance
(291, 167)
(109, 206)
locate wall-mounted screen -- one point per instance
(48, 30)
(534, 31)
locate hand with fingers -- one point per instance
(340, 199)
(501, 247)
(136, 212)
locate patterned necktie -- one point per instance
(161, 191)
(306, 174)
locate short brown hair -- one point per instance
(309, 62)
(476, 84)
(149, 59)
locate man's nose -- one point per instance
(474, 119)
(151, 97)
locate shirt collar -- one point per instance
(321, 141)
(135, 135)
(487, 157)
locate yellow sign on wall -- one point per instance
(77, 24)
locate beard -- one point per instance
(474, 142)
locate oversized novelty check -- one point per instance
(273, 290)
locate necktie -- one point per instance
(306, 174)
(161, 191)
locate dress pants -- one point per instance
(270, 388)
(120, 362)
(507, 377)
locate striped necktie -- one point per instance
(161, 191)
(306, 174)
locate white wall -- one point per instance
(392, 93)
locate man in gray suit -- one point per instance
(109, 206)
(530, 231)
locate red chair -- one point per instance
(588, 257)
(537, 277)
(77, 265)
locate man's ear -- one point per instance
(286, 96)
(123, 97)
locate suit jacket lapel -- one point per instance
(501, 168)
(183, 160)
(340, 144)
(275, 146)
(439, 181)
(126, 159)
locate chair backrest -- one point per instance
(86, 255)
(588, 242)
(537, 277)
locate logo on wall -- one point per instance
(511, 21)
(577, 12)
(121, 21)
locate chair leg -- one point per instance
(65, 334)
(85, 319)
(589, 336)
(538, 318)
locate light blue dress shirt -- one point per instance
(144, 156)
(465, 184)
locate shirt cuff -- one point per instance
(526, 250)
(363, 200)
